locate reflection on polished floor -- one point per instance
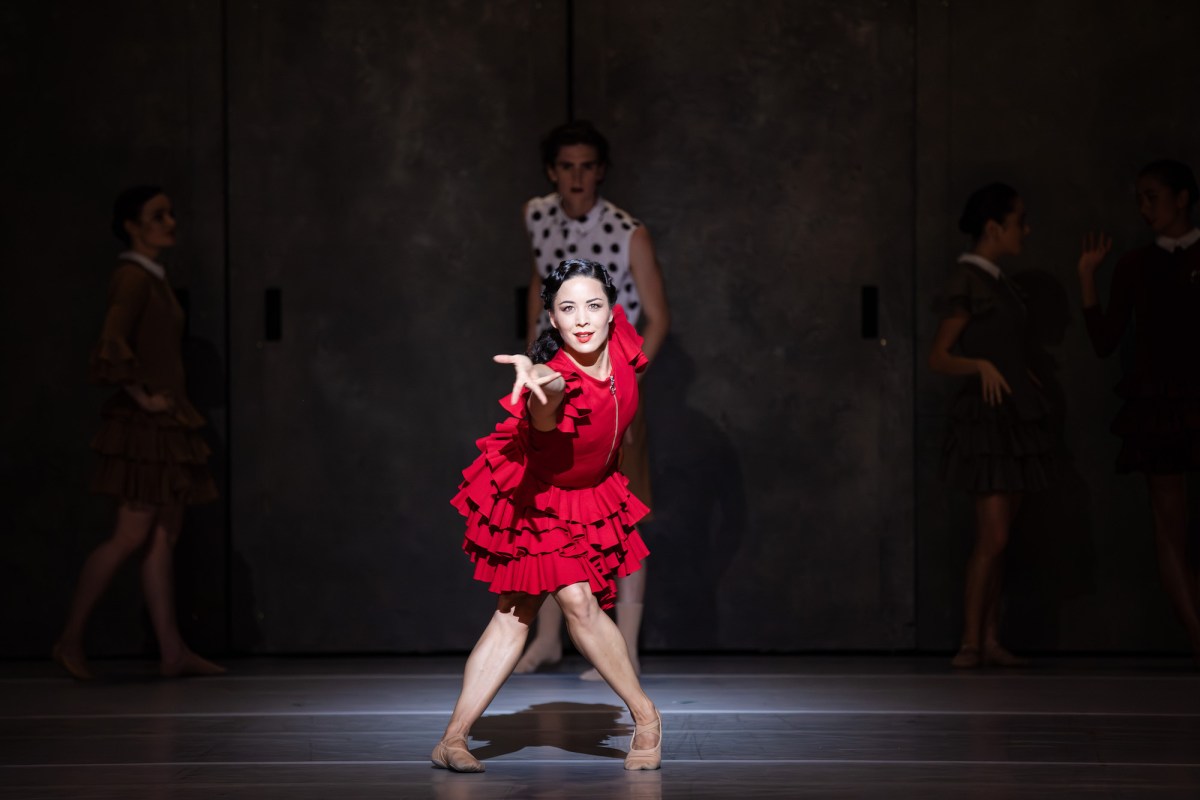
(736, 727)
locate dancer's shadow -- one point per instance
(1052, 556)
(583, 728)
(700, 513)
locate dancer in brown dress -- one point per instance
(152, 457)
(997, 445)
(1157, 288)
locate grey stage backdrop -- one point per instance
(368, 160)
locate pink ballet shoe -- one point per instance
(650, 758)
(71, 661)
(452, 754)
(190, 665)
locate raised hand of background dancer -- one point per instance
(529, 376)
(994, 385)
(1092, 250)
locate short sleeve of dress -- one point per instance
(964, 292)
(626, 342)
(113, 359)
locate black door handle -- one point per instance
(870, 312)
(273, 315)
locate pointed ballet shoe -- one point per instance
(650, 758)
(190, 665)
(996, 655)
(966, 658)
(75, 665)
(452, 754)
(537, 658)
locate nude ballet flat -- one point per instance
(452, 754)
(190, 665)
(646, 759)
(75, 665)
(996, 655)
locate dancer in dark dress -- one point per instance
(1156, 291)
(153, 460)
(997, 446)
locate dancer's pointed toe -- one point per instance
(72, 661)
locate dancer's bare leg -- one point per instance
(130, 531)
(631, 592)
(489, 665)
(993, 652)
(602, 644)
(158, 587)
(1168, 501)
(993, 515)
(546, 648)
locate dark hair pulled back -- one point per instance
(1176, 175)
(546, 345)
(579, 131)
(128, 208)
(992, 203)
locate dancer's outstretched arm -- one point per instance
(545, 389)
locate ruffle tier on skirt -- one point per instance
(150, 459)
(993, 449)
(526, 535)
(1159, 426)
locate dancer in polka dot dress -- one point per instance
(574, 221)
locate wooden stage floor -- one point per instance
(737, 728)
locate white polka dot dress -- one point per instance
(602, 235)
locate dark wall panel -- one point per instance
(381, 152)
(98, 97)
(1066, 101)
(769, 154)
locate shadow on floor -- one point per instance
(583, 728)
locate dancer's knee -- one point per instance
(578, 603)
(519, 608)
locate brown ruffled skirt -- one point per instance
(150, 459)
(993, 449)
(1159, 426)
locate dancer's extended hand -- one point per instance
(994, 385)
(526, 378)
(1092, 250)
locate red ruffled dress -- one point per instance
(546, 509)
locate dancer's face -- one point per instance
(1009, 236)
(155, 227)
(1164, 209)
(582, 315)
(576, 173)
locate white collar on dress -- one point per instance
(589, 221)
(153, 267)
(982, 263)
(1171, 244)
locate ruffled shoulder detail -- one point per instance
(967, 289)
(625, 342)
